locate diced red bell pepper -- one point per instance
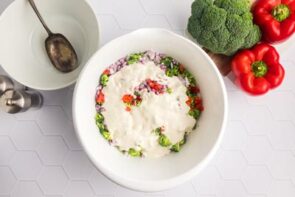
(100, 98)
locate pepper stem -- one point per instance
(259, 68)
(281, 12)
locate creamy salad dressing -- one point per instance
(146, 104)
(134, 129)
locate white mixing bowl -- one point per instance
(22, 48)
(163, 173)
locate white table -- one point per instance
(40, 155)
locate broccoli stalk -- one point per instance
(223, 26)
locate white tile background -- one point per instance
(40, 155)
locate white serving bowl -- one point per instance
(163, 173)
(22, 48)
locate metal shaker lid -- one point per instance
(13, 101)
(5, 84)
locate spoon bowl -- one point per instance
(61, 53)
(59, 50)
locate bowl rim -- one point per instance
(64, 85)
(165, 183)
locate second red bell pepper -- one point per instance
(276, 19)
(258, 69)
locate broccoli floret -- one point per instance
(199, 6)
(222, 36)
(233, 45)
(238, 7)
(213, 18)
(164, 140)
(167, 61)
(99, 118)
(134, 153)
(195, 113)
(194, 26)
(176, 147)
(106, 134)
(237, 26)
(104, 79)
(134, 58)
(253, 37)
(223, 26)
(191, 79)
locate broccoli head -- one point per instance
(223, 26)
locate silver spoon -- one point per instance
(59, 50)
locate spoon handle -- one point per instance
(33, 5)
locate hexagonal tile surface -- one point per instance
(255, 118)
(290, 72)
(53, 196)
(54, 98)
(235, 137)
(6, 121)
(231, 189)
(125, 18)
(123, 192)
(206, 182)
(78, 166)
(237, 105)
(110, 22)
(52, 150)
(206, 196)
(177, 12)
(279, 104)
(255, 195)
(78, 189)
(100, 184)
(7, 180)
(53, 180)
(156, 21)
(66, 102)
(71, 139)
(26, 165)
(281, 188)
(281, 165)
(6, 144)
(26, 135)
(282, 135)
(186, 190)
(257, 150)
(231, 164)
(257, 179)
(57, 116)
(28, 116)
(153, 195)
(27, 189)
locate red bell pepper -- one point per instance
(258, 69)
(276, 19)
